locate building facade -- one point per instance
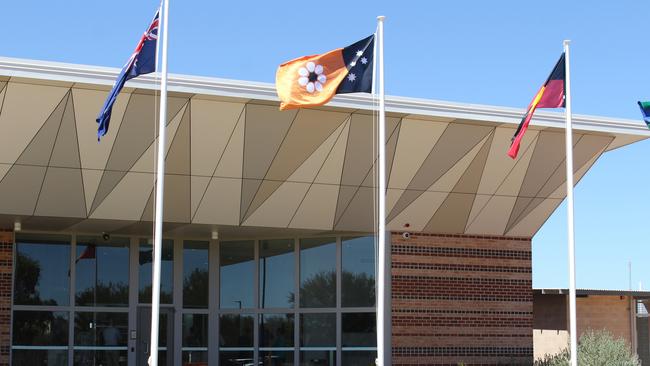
(268, 255)
(622, 313)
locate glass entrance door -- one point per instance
(165, 342)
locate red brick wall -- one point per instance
(6, 269)
(459, 298)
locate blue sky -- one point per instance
(496, 52)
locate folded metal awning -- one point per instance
(234, 160)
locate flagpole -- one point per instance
(382, 359)
(569, 201)
(160, 189)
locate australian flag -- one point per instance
(358, 58)
(142, 61)
(645, 110)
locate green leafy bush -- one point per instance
(595, 348)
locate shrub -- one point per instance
(595, 348)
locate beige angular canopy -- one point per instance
(234, 160)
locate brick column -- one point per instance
(6, 285)
(459, 298)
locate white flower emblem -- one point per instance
(312, 77)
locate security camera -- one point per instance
(106, 236)
(406, 235)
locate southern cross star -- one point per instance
(352, 77)
(359, 53)
(364, 60)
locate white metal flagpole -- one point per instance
(160, 189)
(381, 250)
(569, 202)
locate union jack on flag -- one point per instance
(142, 61)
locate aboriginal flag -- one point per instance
(645, 110)
(550, 95)
(314, 80)
(89, 253)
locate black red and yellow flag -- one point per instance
(314, 80)
(550, 95)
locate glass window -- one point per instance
(102, 338)
(318, 357)
(195, 274)
(358, 272)
(318, 339)
(236, 330)
(195, 330)
(236, 358)
(102, 271)
(276, 339)
(237, 274)
(276, 330)
(195, 358)
(109, 357)
(166, 271)
(318, 273)
(359, 330)
(40, 328)
(30, 357)
(318, 330)
(195, 339)
(101, 329)
(236, 339)
(360, 358)
(42, 270)
(276, 358)
(277, 273)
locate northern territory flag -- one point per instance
(142, 61)
(550, 95)
(314, 80)
(645, 110)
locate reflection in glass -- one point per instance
(318, 358)
(31, 357)
(318, 272)
(102, 271)
(40, 328)
(237, 264)
(195, 358)
(358, 272)
(166, 271)
(359, 358)
(195, 274)
(276, 358)
(100, 329)
(42, 270)
(195, 330)
(359, 330)
(276, 330)
(235, 358)
(318, 330)
(236, 330)
(100, 357)
(236, 339)
(195, 339)
(277, 273)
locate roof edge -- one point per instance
(87, 74)
(582, 291)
